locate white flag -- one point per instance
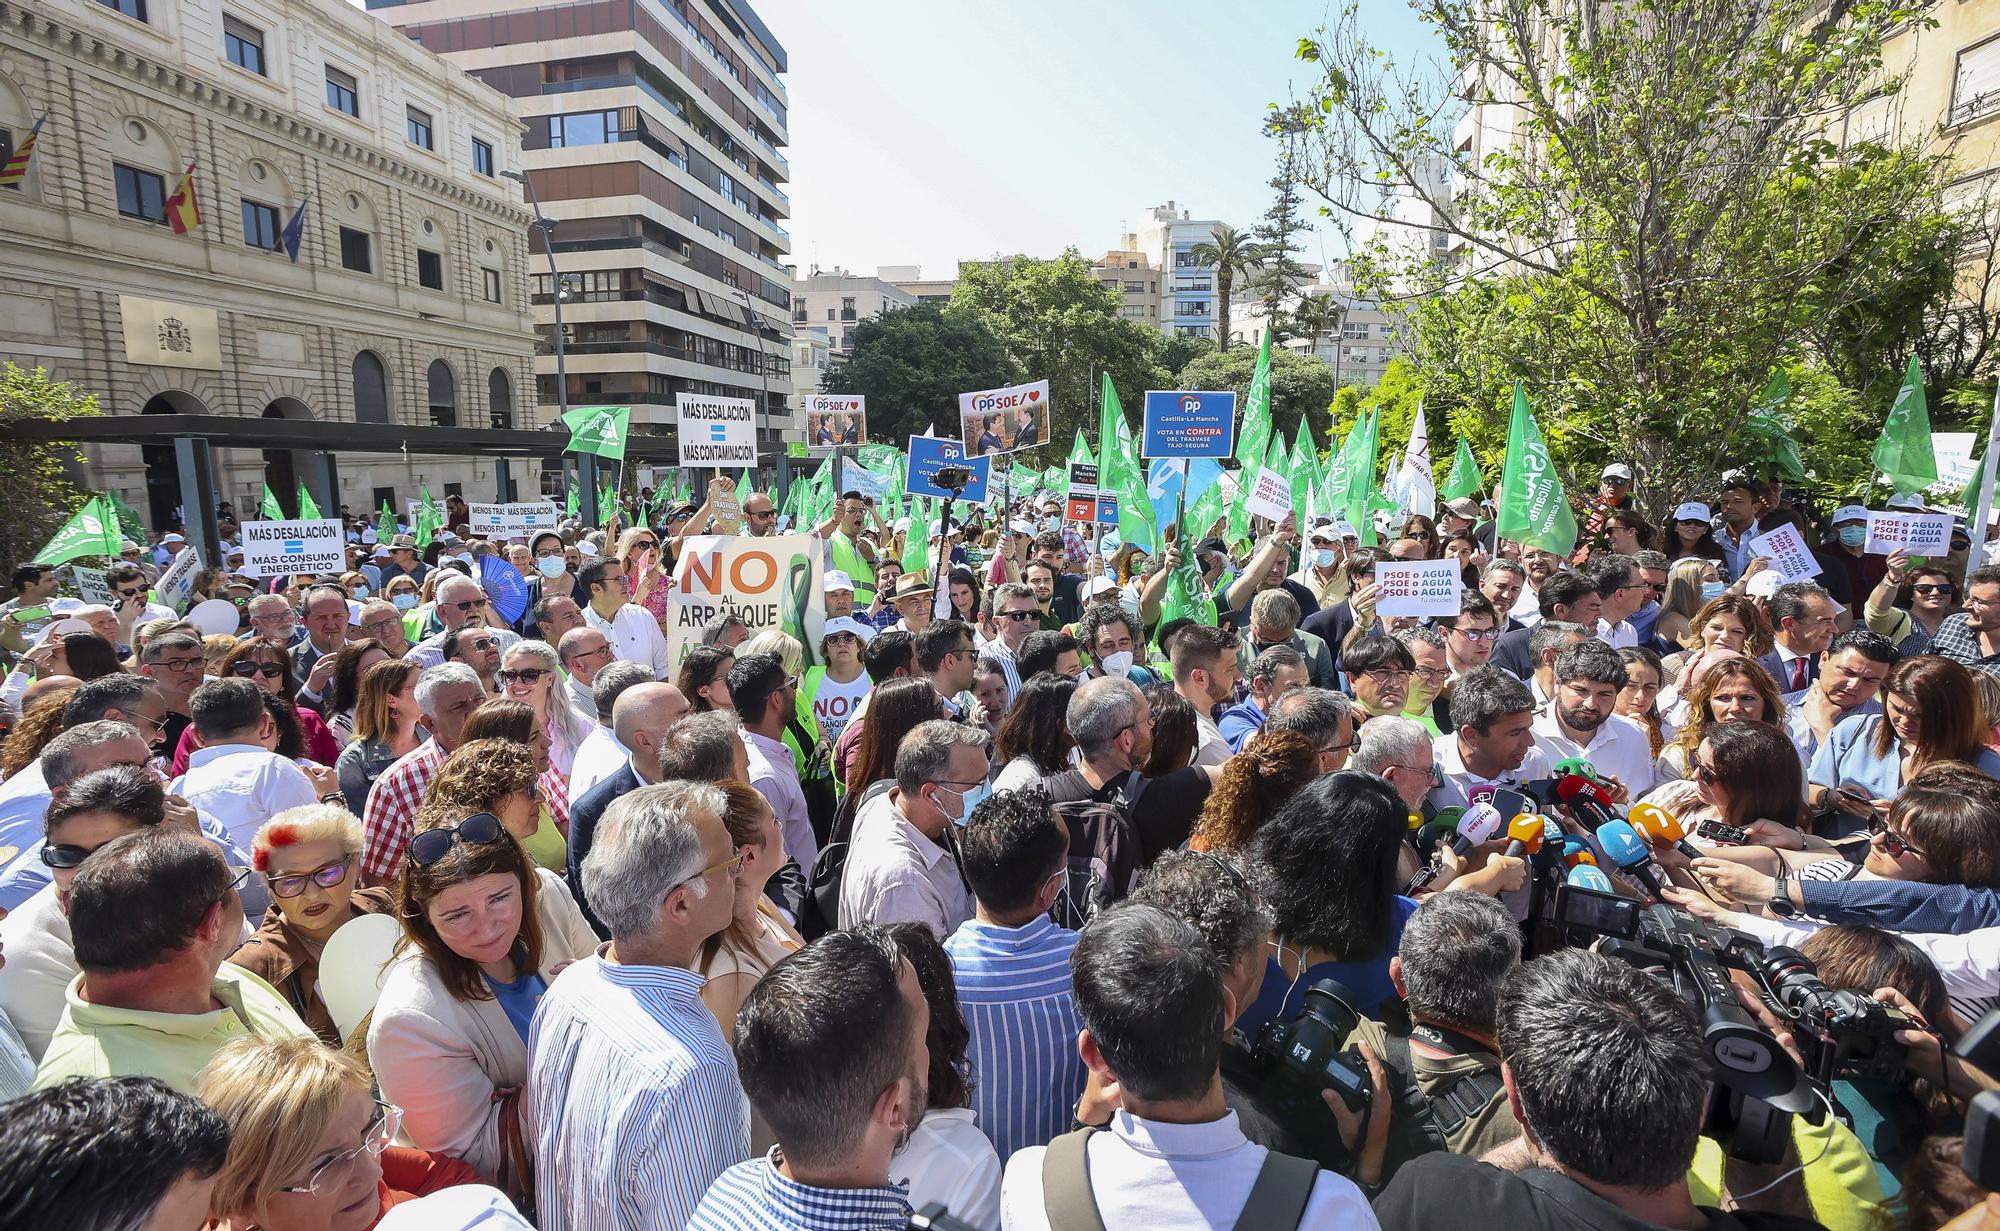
(1415, 487)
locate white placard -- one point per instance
(836, 420)
(1786, 549)
(1272, 498)
(772, 582)
(1953, 451)
(1919, 534)
(284, 548)
(91, 585)
(176, 585)
(505, 521)
(717, 433)
(1417, 587)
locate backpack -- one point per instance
(1103, 855)
(1277, 1200)
(819, 911)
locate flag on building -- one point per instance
(16, 169)
(1904, 454)
(183, 209)
(294, 232)
(93, 531)
(1534, 512)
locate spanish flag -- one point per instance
(183, 211)
(16, 169)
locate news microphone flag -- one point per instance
(184, 208)
(16, 169)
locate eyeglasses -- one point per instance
(67, 856)
(479, 829)
(1894, 845)
(179, 664)
(329, 1175)
(645, 545)
(269, 671)
(1433, 675)
(1350, 747)
(1939, 588)
(381, 626)
(469, 605)
(482, 645)
(526, 675)
(733, 864)
(762, 513)
(1020, 615)
(156, 724)
(326, 876)
(238, 877)
(1388, 675)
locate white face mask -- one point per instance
(551, 566)
(1116, 665)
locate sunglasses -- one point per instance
(732, 865)
(1941, 588)
(1020, 615)
(479, 829)
(482, 645)
(762, 513)
(326, 876)
(66, 856)
(646, 544)
(526, 675)
(1894, 845)
(469, 605)
(178, 664)
(132, 593)
(269, 671)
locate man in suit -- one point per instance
(1804, 616)
(1568, 597)
(640, 719)
(326, 631)
(1332, 624)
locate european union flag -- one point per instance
(294, 231)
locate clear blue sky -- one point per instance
(926, 131)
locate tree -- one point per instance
(1315, 317)
(912, 363)
(1279, 275)
(36, 492)
(1231, 252)
(1174, 351)
(1061, 324)
(1301, 385)
(1668, 225)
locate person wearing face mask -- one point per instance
(1111, 636)
(1319, 567)
(902, 864)
(1843, 551)
(549, 577)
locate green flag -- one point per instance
(1534, 511)
(385, 525)
(1122, 474)
(93, 531)
(571, 500)
(1903, 454)
(1350, 483)
(1464, 479)
(917, 544)
(743, 488)
(607, 504)
(1302, 468)
(598, 429)
(267, 508)
(128, 518)
(1253, 438)
(1770, 429)
(429, 518)
(308, 508)
(1186, 597)
(1079, 453)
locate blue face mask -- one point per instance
(1711, 590)
(1052, 523)
(1323, 558)
(968, 802)
(1853, 536)
(404, 601)
(550, 566)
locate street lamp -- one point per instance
(547, 226)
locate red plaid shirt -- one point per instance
(388, 819)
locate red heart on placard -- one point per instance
(1034, 395)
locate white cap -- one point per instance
(1026, 528)
(1346, 531)
(848, 624)
(1693, 510)
(1907, 504)
(587, 549)
(1617, 470)
(369, 534)
(1098, 585)
(1764, 584)
(837, 580)
(902, 523)
(1849, 512)
(381, 549)
(171, 538)
(353, 612)
(1324, 534)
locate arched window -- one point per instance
(500, 398)
(371, 389)
(444, 395)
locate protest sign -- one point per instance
(867, 482)
(1786, 549)
(994, 421)
(717, 432)
(1953, 451)
(176, 586)
(1271, 496)
(1107, 510)
(1919, 534)
(1417, 587)
(91, 585)
(835, 420)
(930, 453)
(770, 582)
(1189, 424)
(285, 548)
(1082, 503)
(506, 521)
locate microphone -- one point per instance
(1580, 766)
(1625, 848)
(1661, 825)
(1589, 876)
(1524, 835)
(1449, 816)
(1482, 794)
(1591, 800)
(1475, 825)
(1577, 853)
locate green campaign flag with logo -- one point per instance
(1464, 479)
(1302, 468)
(1079, 453)
(128, 518)
(1351, 479)
(598, 429)
(1122, 474)
(385, 524)
(570, 500)
(1534, 511)
(1903, 454)
(607, 504)
(1770, 427)
(267, 508)
(917, 543)
(429, 518)
(1253, 437)
(93, 531)
(308, 507)
(1186, 596)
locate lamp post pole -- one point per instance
(586, 464)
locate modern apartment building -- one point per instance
(654, 141)
(1367, 341)
(836, 300)
(910, 279)
(406, 304)
(1167, 235)
(1130, 273)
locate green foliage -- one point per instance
(912, 363)
(1232, 253)
(36, 494)
(1174, 351)
(1301, 385)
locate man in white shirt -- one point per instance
(1173, 1156)
(1579, 721)
(635, 635)
(1494, 743)
(767, 700)
(460, 602)
(1620, 591)
(902, 865)
(1205, 675)
(234, 775)
(602, 754)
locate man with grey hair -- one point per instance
(1016, 613)
(460, 602)
(640, 719)
(1323, 716)
(82, 749)
(631, 1085)
(726, 630)
(127, 701)
(600, 754)
(1652, 567)
(1277, 670)
(1398, 751)
(446, 696)
(1112, 723)
(1274, 621)
(1455, 954)
(1548, 640)
(902, 864)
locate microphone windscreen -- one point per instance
(1623, 844)
(1527, 830)
(1481, 823)
(1585, 876)
(1657, 822)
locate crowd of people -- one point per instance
(1023, 901)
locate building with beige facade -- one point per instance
(836, 300)
(910, 279)
(407, 304)
(1132, 276)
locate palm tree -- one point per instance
(1231, 252)
(1316, 316)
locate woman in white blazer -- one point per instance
(484, 930)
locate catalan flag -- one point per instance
(16, 169)
(183, 211)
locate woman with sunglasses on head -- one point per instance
(529, 674)
(645, 572)
(310, 1146)
(484, 930)
(268, 665)
(309, 857)
(1931, 714)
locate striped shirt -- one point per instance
(1014, 989)
(389, 817)
(756, 1196)
(634, 1099)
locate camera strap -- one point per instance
(1277, 1200)
(1449, 1110)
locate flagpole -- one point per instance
(1983, 498)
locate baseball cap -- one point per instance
(1346, 531)
(171, 538)
(353, 612)
(837, 580)
(1764, 584)
(1025, 528)
(1464, 506)
(1693, 510)
(1098, 585)
(848, 624)
(587, 549)
(1617, 470)
(1902, 504)
(1324, 534)
(381, 549)
(1849, 512)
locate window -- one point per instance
(260, 225)
(482, 157)
(430, 269)
(1975, 86)
(500, 399)
(847, 308)
(354, 251)
(492, 278)
(135, 9)
(443, 397)
(342, 94)
(1135, 288)
(831, 314)
(798, 310)
(587, 128)
(243, 43)
(141, 194)
(420, 128)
